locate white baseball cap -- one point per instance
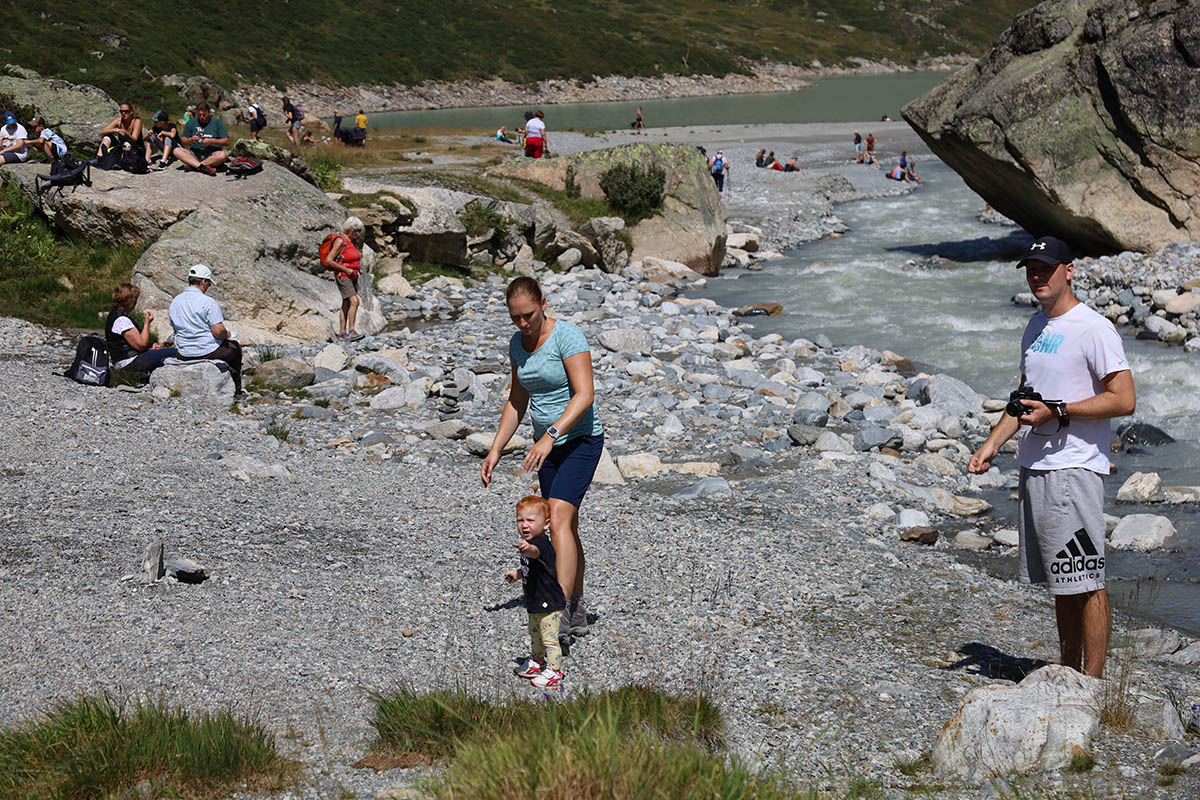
(201, 271)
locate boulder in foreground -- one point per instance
(1041, 723)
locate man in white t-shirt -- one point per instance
(12, 140)
(1074, 359)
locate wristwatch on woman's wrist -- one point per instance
(552, 432)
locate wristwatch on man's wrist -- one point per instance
(552, 432)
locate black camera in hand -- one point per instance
(1015, 408)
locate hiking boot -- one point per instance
(340, 335)
(529, 668)
(577, 618)
(353, 336)
(564, 627)
(548, 679)
(207, 170)
(188, 168)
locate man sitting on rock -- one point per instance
(200, 332)
(204, 141)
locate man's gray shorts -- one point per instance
(1062, 529)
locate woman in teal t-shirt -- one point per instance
(552, 378)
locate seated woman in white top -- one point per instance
(130, 348)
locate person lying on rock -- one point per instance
(204, 141)
(200, 332)
(791, 165)
(123, 132)
(129, 348)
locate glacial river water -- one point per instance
(880, 285)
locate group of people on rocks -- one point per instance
(200, 330)
(199, 147)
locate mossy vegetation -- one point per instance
(342, 42)
(635, 190)
(52, 280)
(99, 747)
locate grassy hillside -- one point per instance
(120, 46)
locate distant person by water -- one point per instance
(886, 118)
(639, 122)
(858, 148)
(760, 158)
(791, 165)
(718, 166)
(535, 135)
(502, 135)
(871, 151)
(360, 119)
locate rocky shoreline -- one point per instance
(323, 100)
(746, 535)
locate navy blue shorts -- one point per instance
(567, 472)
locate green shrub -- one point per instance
(572, 189)
(478, 217)
(50, 279)
(327, 170)
(98, 747)
(634, 190)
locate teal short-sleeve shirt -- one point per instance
(544, 376)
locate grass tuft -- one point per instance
(1080, 763)
(278, 429)
(434, 724)
(99, 747)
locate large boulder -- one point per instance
(199, 382)
(123, 209)
(261, 243)
(1081, 123)
(1041, 723)
(691, 226)
(202, 89)
(76, 111)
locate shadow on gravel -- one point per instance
(984, 248)
(982, 659)
(515, 602)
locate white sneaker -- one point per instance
(548, 679)
(529, 668)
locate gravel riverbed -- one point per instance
(374, 557)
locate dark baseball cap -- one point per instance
(1047, 250)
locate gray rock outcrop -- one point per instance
(265, 151)
(261, 243)
(690, 228)
(1080, 123)
(76, 111)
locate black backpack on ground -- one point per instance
(90, 366)
(65, 171)
(117, 156)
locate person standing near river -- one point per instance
(552, 377)
(1073, 358)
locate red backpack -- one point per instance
(327, 245)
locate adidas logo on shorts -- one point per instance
(1080, 555)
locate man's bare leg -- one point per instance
(1084, 626)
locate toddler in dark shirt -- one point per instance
(543, 596)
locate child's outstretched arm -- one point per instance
(528, 550)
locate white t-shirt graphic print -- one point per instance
(1066, 358)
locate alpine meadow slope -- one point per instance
(372, 42)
